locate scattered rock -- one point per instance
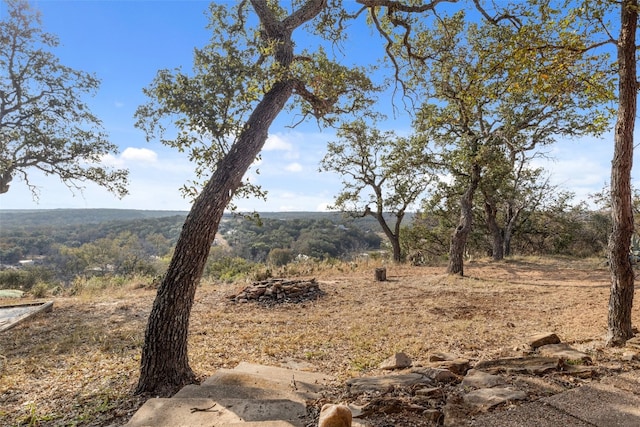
(335, 416)
(538, 340)
(579, 371)
(430, 392)
(385, 382)
(440, 357)
(627, 356)
(564, 351)
(390, 405)
(432, 415)
(480, 379)
(276, 291)
(397, 361)
(521, 365)
(439, 375)
(457, 366)
(489, 397)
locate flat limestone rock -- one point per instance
(179, 412)
(439, 375)
(480, 379)
(457, 366)
(384, 382)
(269, 377)
(274, 372)
(440, 357)
(489, 397)
(521, 365)
(544, 338)
(257, 395)
(564, 351)
(397, 361)
(260, 391)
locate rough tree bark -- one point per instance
(622, 275)
(497, 237)
(164, 362)
(460, 234)
(512, 217)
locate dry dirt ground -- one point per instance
(78, 364)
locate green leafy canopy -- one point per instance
(206, 109)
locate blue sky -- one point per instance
(126, 42)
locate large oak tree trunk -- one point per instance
(460, 234)
(622, 276)
(510, 224)
(165, 364)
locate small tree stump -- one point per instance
(381, 274)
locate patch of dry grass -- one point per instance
(78, 364)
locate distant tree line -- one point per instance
(142, 246)
(316, 238)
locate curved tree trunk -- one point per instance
(165, 364)
(394, 237)
(622, 275)
(460, 234)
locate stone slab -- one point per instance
(313, 379)
(164, 412)
(177, 412)
(384, 382)
(520, 365)
(601, 405)
(288, 383)
(480, 379)
(490, 397)
(221, 391)
(563, 351)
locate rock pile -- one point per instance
(277, 291)
(448, 390)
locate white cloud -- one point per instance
(293, 167)
(143, 155)
(118, 104)
(276, 142)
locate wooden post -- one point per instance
(381, 274)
